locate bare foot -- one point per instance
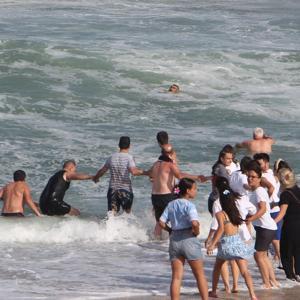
(266, 286)
(275, 284)
(234, 291)
(212, 294)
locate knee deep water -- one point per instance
(75, 76)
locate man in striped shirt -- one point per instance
(121, 166)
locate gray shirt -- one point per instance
(119, 165)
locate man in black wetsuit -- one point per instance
(51, 200)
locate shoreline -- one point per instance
(274, 294)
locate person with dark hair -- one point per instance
(52, 198)
(230, 244)
(245, 207)
(15, 195)
(264, 161)
(174, 88)
(260, 143)
(162, 138)
(290, 213)
(184, 244)
(121, 165)
(264, 224)
(224, 167)
(163, 173)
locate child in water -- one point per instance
(184, 245)
(230, 245)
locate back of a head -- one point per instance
(69, 162)
(254, 166)
(287, 178)
(258, 133)
(280, 164)
(124, 142)
(183, 185)
(244, 163)
(262, 156)
(228, 200)
(19, 175)
(162, 138)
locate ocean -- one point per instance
(77, 75)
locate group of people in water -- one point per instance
(244, 195)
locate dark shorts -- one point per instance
(119, 198)
(160, 202)
(264, 237)
(55, 208)
(12, 214)
(279, 225)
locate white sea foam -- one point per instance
(66, 230)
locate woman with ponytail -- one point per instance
(183, 218)
(230, 244)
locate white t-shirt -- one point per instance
(265, 221)
(237, 181)
(269, 175)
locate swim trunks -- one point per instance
(51, 200)
(18, 214)
(160, 202)
(119, 198)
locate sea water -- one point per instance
(76, 75)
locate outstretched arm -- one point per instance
(78, 176)
(100, 173)
(137, 172)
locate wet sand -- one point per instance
(274, 294)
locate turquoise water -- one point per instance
(76, 75)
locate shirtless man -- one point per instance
(260, 143)
(51, 200)
(15, 195)
(163, 174)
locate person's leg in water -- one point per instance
(243, 267)
(235, 275)
(198, 271)
(225, 277)
(177, 273)
(215, 278)
(74, 212)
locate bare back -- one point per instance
(163, 175)
(13, 195)
(263, 145)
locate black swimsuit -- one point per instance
(51, 200)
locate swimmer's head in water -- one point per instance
(174, 88)
(258, 133)
(19, 175)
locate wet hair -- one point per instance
(124, 142)
(162, 138)
(19, 175)
(280, 164)
(69, 162)
(228, 200)
(254, 166)
(175, 85)
(258, 132)
(244, 163)
(264, 156)
(183, 185)
(287, 178)
(225, 150)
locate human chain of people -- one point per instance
(246, 197)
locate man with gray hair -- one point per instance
(51, 200)
(260, 143)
